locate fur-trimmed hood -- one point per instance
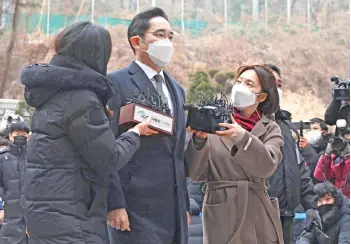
(42, 81)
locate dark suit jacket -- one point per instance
(138, 188)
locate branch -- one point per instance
(8, 54)
(30, 5)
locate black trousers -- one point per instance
(287, 225)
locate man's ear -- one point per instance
(11, 137)
(135, 41)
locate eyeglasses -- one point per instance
(163, 34)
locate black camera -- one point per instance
(338, 144)
(208, 114)
(341, 91)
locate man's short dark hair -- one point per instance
(19, 126)
(141, 23)
(274, 68)
(321, 122)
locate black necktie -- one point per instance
(159, 80)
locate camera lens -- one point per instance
(338, 144)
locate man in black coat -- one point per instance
(3, 149)
(148, 199)
(12, 166)
(291, 182)
(334, 209)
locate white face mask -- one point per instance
(280, 93)
(242, 97)
(160, 52)
(314, 136)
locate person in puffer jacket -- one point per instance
(12, 168)
(196, 198)
(2, 212)
(72, 149)
(335, 166)
(334, 209)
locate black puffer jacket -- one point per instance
(12, 164)
(195, 230)
(70, 153)
(337, 228)
(196, 196)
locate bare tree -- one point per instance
(1, 13)
(292, 8)
(255, 10)
(314, 12)
(225, 14)
(8, 54)
(288, 9)
(266, 15)
(309, 15)
(182, 16)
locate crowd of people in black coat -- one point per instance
(79, 177)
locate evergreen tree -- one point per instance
(200, 87)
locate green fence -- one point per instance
(29, 22)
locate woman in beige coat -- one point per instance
(236, 162)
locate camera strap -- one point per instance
(346, 181)
(331, 180)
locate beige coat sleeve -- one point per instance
(260, 158)
(197, 161)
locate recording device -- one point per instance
(319, 235)
(341, 90)
(141, 107)
(142, 99)
(6, 122)
(339, 143)
(301, 126)
(206, 115)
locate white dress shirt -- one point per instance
(150, 73)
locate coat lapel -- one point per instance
(177, 103)
(143, 82)
(260, 128)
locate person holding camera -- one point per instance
(339, 108)
(334, 209)
(235, 164)
(334, 165)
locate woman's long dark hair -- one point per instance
(264, 73)
(87, 44)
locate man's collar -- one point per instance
(150, 72)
